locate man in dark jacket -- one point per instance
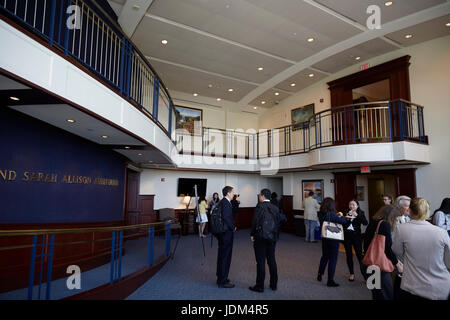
(225, 240)
(265, 248)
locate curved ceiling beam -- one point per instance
(390, 27)
(132, 13)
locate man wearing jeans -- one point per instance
(311, 207)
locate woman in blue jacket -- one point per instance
(329, 247)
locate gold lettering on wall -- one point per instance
(38, 176)
(9, 175)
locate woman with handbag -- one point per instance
(332, 233)
(377, 248)
(352, 237)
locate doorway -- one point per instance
(377, 186)
(354, 185)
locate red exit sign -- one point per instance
(365, 169)
(365, 66)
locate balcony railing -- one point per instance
(83, 31)
(40, 258)
(385, 121)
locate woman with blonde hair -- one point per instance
(425, 250)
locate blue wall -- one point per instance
(29, 145)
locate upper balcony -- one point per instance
(383, 132)
(115, 83)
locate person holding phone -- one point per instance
(352, 237)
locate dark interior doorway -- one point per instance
(376, 191)
(132, 210)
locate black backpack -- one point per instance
(216, 222)
(268, 225)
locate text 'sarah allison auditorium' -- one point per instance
(35, 176)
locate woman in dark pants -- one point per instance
(329, 247)
(352, 237)
(388, 215)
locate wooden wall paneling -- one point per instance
(397, 71)
(288, 205)
(344, 189)
(15, 264)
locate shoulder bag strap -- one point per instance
(378, 227)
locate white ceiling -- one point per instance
(8, 84)
(93, 129)
(223, 42)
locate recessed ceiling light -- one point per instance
(260, 69)
(195, 94)
(139, 154)
(14, 98)
(164, 41)
(127, 147)
(105, 137)
(71, 120)
(210, 85)
(255, 108)
(448, 24)
(310, 39)
(136, 7)
(218, 99)
(388, 4)
(263, 102)
(150, 161)
(358, 58)
(292, 84)
(230, 90)
(311, 75)
(408, 36)
(227, 6)
(295, 33)
(277, 93)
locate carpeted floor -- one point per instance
(189, 276)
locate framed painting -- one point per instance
(300, 116)
(315, 186)
(186, 119)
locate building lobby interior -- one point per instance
(117, 115)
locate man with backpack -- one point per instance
(264, 234)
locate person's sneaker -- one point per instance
(226, 285)
(319, 277)
(332, 284)
(274, 288)
(256, 289)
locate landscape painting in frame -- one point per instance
(300, 116)
(315, 186)
(186, 119)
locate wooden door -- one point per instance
(132, 210)
(344, 189)
(375, 192)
